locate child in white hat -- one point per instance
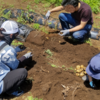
(10, 76)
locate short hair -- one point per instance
(70, 2)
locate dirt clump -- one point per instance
(36, 38)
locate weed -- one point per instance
(88, 41)
(7, 15)
(43, 29)
(36, 26)
(21, 18)
(49, 52)
(31, 98)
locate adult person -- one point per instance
(93, 70)
(79, 15)
(10, 76)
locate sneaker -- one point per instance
(85, 78)
(17, 93)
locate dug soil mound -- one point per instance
(48, 82)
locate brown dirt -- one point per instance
(47, 80)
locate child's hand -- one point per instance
(92, 84)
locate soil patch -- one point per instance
(47, 81)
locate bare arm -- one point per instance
(90, 78)
(56, 9)
(79, 27)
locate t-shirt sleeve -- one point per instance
(86, 16)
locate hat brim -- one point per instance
(90, 72)
(11, 32)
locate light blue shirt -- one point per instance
(7, 60)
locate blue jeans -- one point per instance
(67, 19)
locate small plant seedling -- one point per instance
(53, 65)
(49, 52)
(63, 66)
(88, 41)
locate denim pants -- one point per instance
(67, 19)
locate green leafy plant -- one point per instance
(36, 26)
(21, 18)
(7, 15)
(49, 52)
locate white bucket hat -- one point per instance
(11, 27)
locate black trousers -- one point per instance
(13, 79)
